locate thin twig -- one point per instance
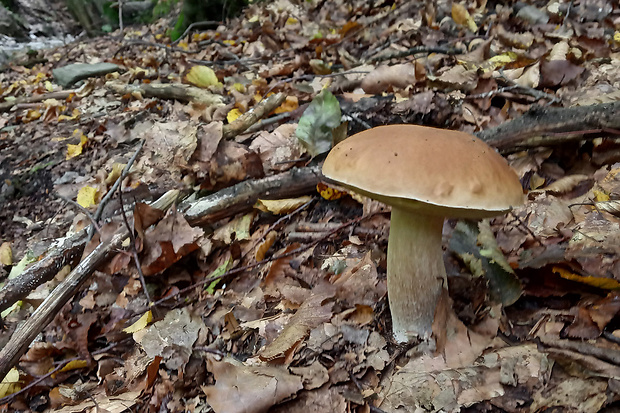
(193, 25)
(132, 238)
(86, 212)
(116, 185)
(277, 223)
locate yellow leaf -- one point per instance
(239, 87)
(229, 42)
(115, 173)
(233, 114)
(6, 254)
(75, 113)
(140, 324)
(75, 150)
(599, 282)
(48, 86)
(290, 104)
(73, 365)
(600, 196)
(183, 45)
(202, 76)
(617, 37)
(281, 206)
(461, 16)
(253, 19)
(10, 384)
(328, 192)
(87, 196)
(31, 114)
(291, 20)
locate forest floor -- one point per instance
(269, 284)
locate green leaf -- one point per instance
(218, 272)
(316, 124)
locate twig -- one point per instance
(222, 204)
(193, 25)
(449, 50)
(62, 94)
(85, 211)
(278, 222)
(61, 365)
(132, 239)
(45, 313)
(269, 121)
(153, 44)
(116, 185)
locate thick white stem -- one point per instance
(415, 272)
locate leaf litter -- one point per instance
(534, 324)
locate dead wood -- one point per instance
(45, 313)
(551, 126)
(242, 196)
(176, 91)
(66, 251)
(8, 105)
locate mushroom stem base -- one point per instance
(415, 272)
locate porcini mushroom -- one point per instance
(425, 174)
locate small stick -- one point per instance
(132, 239)
(116, 185)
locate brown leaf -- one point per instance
(311, 313)
(558, 72)
(248, 389)
(170, 240)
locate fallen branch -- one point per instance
(61, 94)
(551, 126)
(176, 91)
(242, 196)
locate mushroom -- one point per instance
(425, 175)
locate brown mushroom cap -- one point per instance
(438, 171)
